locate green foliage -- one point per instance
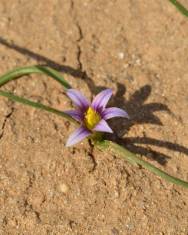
(19, 72)
(180, 7)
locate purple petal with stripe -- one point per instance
(76, 114)
(77, 136)
(103, 126)
(114, 112)
(78, 99)
(101, 99)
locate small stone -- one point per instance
(63, 188)
(121, 55)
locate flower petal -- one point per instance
(76, 114)
(78, 135)
(101, 99)
(78, 99)
(103, 127)
(114, 112)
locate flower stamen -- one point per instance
(91, 118)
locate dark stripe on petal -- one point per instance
(77, 136)
(76, 114)
(114, 112)
(103, 126)
(101, 100)
(78, 99)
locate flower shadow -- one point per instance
(139, 112)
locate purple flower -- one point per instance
(92, 116)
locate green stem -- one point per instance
(18, 72)
(132, 158)
(180, 7)
(35, 105)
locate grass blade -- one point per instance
(132, 158)
(18, 72)
(35, 105)
(180, 7)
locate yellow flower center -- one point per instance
(91, 118)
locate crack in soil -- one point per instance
(90, 153)
(28, 207)
(5, 121)
(80, 36)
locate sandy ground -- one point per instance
(140, 50)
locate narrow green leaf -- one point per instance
(18, 72)
(180, 7)
(35, 105)
(132, 158)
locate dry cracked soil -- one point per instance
(140, 50)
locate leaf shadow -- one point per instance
(139, 112)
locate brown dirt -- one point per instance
(140, 50)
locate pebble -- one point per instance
(63, 188)
(121, 55)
